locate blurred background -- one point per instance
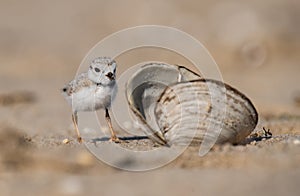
(256, 45)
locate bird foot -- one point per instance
(79, 139)
(115, 139)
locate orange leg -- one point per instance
(113, 138)
(75, 122)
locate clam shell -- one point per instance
(186, 111)
(174, 105)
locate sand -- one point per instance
(42, 45)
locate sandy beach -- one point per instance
(255, 44)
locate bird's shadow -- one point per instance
(127, 138)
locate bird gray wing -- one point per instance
(78, 83)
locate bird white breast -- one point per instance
(92, 98)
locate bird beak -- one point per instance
(110, 76)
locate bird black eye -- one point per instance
(97, 69)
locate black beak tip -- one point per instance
(110, 76)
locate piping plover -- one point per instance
(93, 90)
